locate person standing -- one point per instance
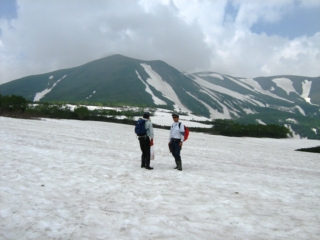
(176, 139)
(146, 141)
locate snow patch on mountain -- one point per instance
(40, 95)
(207, 85)
(240, 83)
(214, 114)
(91, 95)
(315, 130)
(155, 99)
(248, 111)
(226, 112)
(306, 87)
(256, 86)
(300, 110)
(163, 117)
(51, 77)
(214, 75)
(285, 84)
(294, 135)
(259, 121)
(292, 120)
(162, 86)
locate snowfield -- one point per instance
(66, 179)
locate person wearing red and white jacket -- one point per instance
(176, 139)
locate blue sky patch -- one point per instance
(231, 12)
(299, 22)
(8, 9)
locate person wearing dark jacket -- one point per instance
(176, 139)
(146, 141)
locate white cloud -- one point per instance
(309, 3)
(189, 35)
(270, 11)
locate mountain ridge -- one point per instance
(121, 80)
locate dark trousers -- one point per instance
(145, 149)
(175, 150)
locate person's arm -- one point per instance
(149, 128)
(181, 133)
(151, 134)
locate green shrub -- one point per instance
(82, 112)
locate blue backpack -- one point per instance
(140, 128)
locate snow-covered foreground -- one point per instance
(63, 179)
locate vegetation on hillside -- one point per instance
(305, 126)
(13, 104)
(17, 106)
(312, 149)
(233, 129)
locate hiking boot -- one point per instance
(179, 163)
(143, 163)
(149, 168)
(176, 166)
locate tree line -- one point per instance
(17, 106)
(231, 128)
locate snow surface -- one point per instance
(91, 108)
(163, 117)
(67, 179)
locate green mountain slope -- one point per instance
(119, 80)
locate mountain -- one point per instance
(120, 80)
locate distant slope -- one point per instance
(235, 97)
(120, 80)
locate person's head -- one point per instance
(146, 115)
(175, 117)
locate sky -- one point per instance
(73, 179)
(242, 38)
